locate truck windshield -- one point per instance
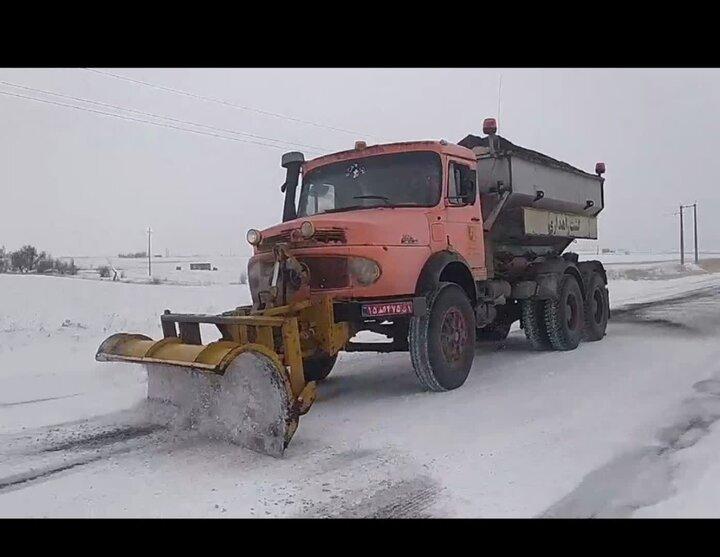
(402, 179)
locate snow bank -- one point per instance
(654, 271)
(626, 291)
(47, 304)
(170, 270)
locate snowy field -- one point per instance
(170, 270)
(229, 268)
(622, 427)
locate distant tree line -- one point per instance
(28, 260)
(136, 255)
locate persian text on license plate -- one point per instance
(387, 308)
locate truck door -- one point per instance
(463, 219)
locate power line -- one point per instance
(152, 115)
(130, 118)
(228, 103)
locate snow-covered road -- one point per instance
(619, 427)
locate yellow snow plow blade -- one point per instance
(251, 381)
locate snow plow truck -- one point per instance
(432, 244)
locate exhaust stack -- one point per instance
(292, 162)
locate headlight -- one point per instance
(307, 229)
(364, 271)
(254, 237)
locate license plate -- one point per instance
(383, 309)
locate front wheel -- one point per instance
(318, 368)
(442, 342)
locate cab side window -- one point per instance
(461, 185)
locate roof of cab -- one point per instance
(388, 148)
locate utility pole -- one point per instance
(695, 233)
(149, 233)
(682, 238)
(697, 259)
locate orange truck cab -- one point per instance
(437, 245)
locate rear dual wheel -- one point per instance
(597, 309)
(533, 323)
(561, 323)
(565, 316)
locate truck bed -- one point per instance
(532, 202)
(472, 141)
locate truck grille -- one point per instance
(327, 272)
(322, 236)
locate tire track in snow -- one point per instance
(643, 477)
(117, 435)
(350, 482)
(33, 401)
(407, 498)
(46, 472)
(89, 433)
(692, 313)
(63, 460)
(25, 479)
(54, 450)
(633, 309)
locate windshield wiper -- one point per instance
(358, 207)
(385, 199)
(349, 208)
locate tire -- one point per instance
(442, 342)
(597, 309)
(317, 369)
(533, 322)
(565, 316)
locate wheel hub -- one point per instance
(453, 334)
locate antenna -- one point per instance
(499, 91)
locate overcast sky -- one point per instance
(79, 183)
